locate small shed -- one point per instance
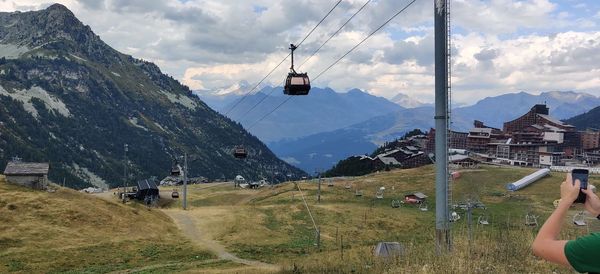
(32, 175)
(147, 191)
(176, 170)
(415, 198)
(388, 250)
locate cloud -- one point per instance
(565, 61)
(499, 46)
(501, 16)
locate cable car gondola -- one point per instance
(296, 83)
(240, 152)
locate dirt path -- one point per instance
(190, 230)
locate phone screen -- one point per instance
(582, 175)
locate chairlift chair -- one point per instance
(348, 186)
(330, 183)
(174, 194)
(579, 219)
(531, 220)
(454, 216)
(483, 220)
(296, 83)
(358, 193)
(395, 203)
(423, 206)
(240, 152)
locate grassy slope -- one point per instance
(68, 230)
(272, 224)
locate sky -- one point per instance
(498, 46)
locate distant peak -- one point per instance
(58, 7)
(355, 90)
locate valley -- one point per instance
(269, 229)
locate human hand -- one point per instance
(592, 202)
(568, 190)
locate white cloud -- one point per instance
(565, 61)
(501, 16)
(499, 45)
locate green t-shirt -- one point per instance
(584, 253)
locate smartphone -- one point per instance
(582, 176)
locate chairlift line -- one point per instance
(336, 32)
(283, 60)
(256, 86)
(264, 116)
(334, 63)
(369, 36)
(313, 54)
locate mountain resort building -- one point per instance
(32, 175)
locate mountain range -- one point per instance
(68, 98)
(321, 150)
(322, 110)
(586, 121)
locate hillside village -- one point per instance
(535, 139)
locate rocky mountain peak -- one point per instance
(53, 29)
(70, 99)
(59, 8)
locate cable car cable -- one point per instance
(313, 54)
(260, 101)
(264, 116)
(371, 34)
(298, 45)
(334, 63)
(260, 82)
(336, 32)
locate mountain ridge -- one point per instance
(365, 136)
(322, 110)
(71, 99)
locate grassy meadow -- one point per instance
(68, 231)
(272, 224)
(72, 232)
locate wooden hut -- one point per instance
(32, 175)
(147, 191)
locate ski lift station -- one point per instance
(527, 180)
(147, 191)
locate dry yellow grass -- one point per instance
(271, 224)
(68, 230)
(71, 231)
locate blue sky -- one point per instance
(500, 46)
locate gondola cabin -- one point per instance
(176, 170)
(297, 84)
(240, 153)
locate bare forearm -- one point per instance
(551, 227)
(546, 245)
